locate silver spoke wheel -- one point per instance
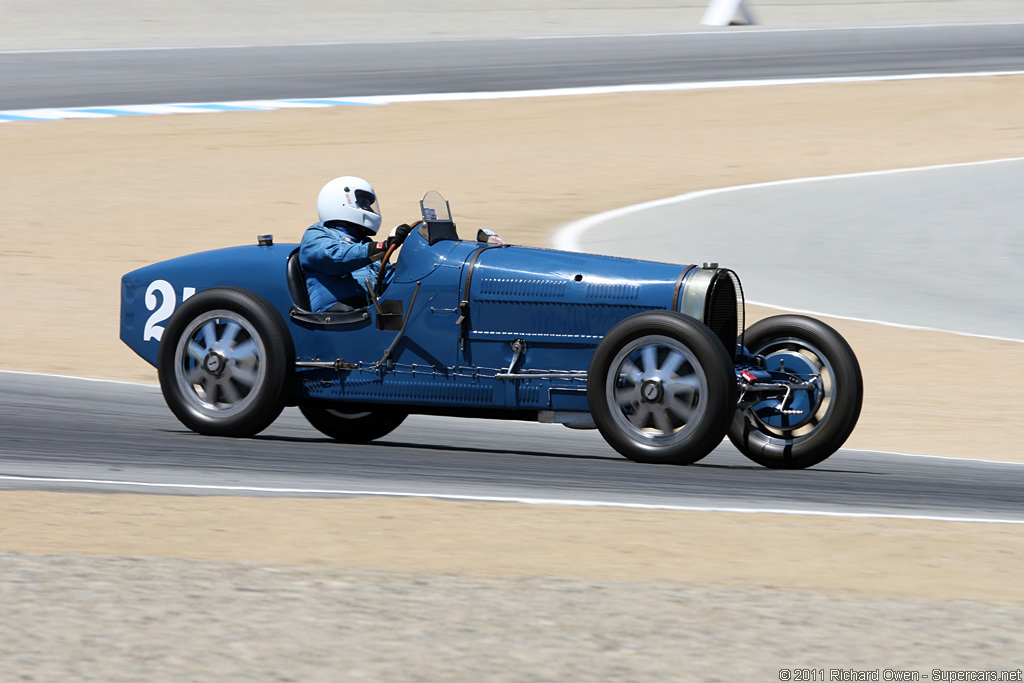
(225, 362)
(661, 388)
(219, 363)
(657, 389)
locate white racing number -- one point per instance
(167, 301)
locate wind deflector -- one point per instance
(437, 219)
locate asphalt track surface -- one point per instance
(56, 428)
(75, 78)
(936, 247)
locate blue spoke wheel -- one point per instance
(813, 423)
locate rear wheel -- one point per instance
(348, 427)
(224, 363)
(661, 388)
(820, 420)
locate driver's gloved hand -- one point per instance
(398, 234)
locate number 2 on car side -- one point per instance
(162, 307)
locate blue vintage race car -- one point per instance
(654, 355)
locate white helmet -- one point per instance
(350, 199)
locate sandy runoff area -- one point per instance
(122, 193)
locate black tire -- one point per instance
(675, 409)
(225, 363)
(348, 427)
(830, 415)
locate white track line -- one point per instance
(114, 111)
(668, 87)
(569, 237)
(884, 323)
(937, 457)
(514, 499)
(84, 379)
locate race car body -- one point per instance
(650, 353)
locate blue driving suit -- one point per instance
(334, 258)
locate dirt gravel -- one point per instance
(127, 619)
(126, 587)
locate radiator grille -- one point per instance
(723, 311)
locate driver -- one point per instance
(337, 254)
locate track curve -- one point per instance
(111, 435)
(944, 237)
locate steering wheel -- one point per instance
(386, 261)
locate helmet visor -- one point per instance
(367, 201)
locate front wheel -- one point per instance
(349, 427)
(819, 420)
(661, 388)
(224, 362)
